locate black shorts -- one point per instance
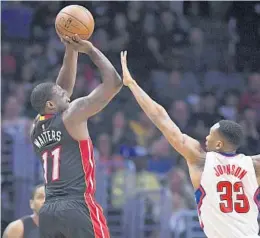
(72, 219)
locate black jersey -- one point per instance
(30, 229)
(69, 166)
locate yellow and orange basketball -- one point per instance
(75, 19)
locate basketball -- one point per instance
(75, 19)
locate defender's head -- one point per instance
(224, 136)
(37, 198)
(47, 98)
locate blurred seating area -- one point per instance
(200, 60)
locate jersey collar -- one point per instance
(45, 117)
(228, 154)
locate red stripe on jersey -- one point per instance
(96, 214)
(256, 197)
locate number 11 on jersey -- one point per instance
(53, 155)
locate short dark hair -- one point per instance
(35, 190)
(40, 95)
(232, 131)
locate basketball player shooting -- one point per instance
(226, 183)
(61, 140)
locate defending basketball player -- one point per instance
(28, 226)
(226, 183)
(61, 140)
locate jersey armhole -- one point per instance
(67, 131)
(205, 164)
(255, 169)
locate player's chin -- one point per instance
(66, 105)
(37, 211)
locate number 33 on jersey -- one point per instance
(227, 198)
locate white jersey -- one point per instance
(227, 198)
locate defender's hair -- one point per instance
(231, 131)
(35, 190)
(40, 95)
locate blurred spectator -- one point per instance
(123, 186)
(251, 98)
(197, 8)
(6, 202)
(8, 62)
(215, 81)
(28, 73)
(179, 113)
(177, 223)
(104, 148)
(197, 54)
(251, 130)
(43, 19)
(105, 155)
(234, 37)
(149, 23)
(121, 133)
(196, 39)
(209, 113)
(136, 36)
(235, 80)
(101, 40)
(199, 129)
(152, 50)
(194, 102)
(97, 126)
(11, 114)
(54, 54)
(145, 180)
(174, 38)
(172, 88)
(179, 183)
(170, 30)
(229, 108)
(143, 129)
(194, 56)
(245, 14)
(81, 89)
(18, 127)
(161, 160)
(120, 34)
(133, 14)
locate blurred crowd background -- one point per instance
(200, 60)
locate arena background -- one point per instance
(200, 60)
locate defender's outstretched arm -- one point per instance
(185, 145)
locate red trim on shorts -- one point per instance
(96, 214)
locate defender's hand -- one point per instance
(78, 44)
(127, 78)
